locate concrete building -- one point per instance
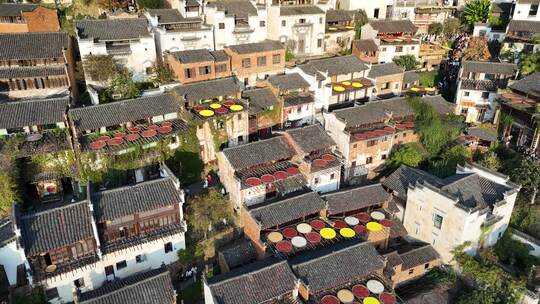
(478, 83)
(474, 205)
(175, 32)
(301, 28)
(30, 72)
(526, 10)
(237, 22)
(128, 40)
(393, 38)
(26, 17)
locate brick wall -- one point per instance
(404, 275)
(254, 69)
(253, 231)
(179, 70)
(13, 28)
(394, 82)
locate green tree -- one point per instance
(408, 62)
(8, 194)
(151, 3)
(206, 212)
(528, 176)
(101, 68)
(476, 11)
(191, 255)
(530, 63)
(451, 27)
(435, 29)
(122, 87)
(458, 154)
(408, 154)
(360, 19)
(162, 74)
(484, 296)
(489, 160)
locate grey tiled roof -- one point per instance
(528, 85)
(418, 256)
(257, 153)
(501, 7)
(149, 287)
(334, 66)
(404, 176)
(260, 99)
(440, 104)
(145, 196)
(338, 265)
(384, 69)
(166, 15)
(291, 10)
(311, 138)
(483, 133)
(393, 26)
(280, 212)
(208, 89)
(7, 234)
(489, 67)
(293, 81)
(410, 77)
(524, 26)
(220, 55)
(15, 9)
(238, 254)
(374, 111)
(261, 282)
(32, 71)
(57, 227)
(238, 8)
(366, 45)
(298, 99)
(23, 45)
(256, 47)
(36, 112)
(356, 198)
(333, 15)
(112, 29)
(118, 112)
(475, 191)
(190, 56)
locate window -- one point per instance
(246, 63)
(466, 93)
(383, 157)
(399, 49)
(396, 86)
(204, 70)
(332, 176)
(384, 49)
(319, 43)
(404, 134)
(51, 293)
(220, 124)
(316, 181)
(302, 20)
(385, 85)
(109, 270)
(372, 143)
(262, 23)
(283, 23)
(534, 10)
(320, 20)
(123, 232)
(140, 258)
(369, 160)
(437, 221)
(426, 266)
(412, 48)
(276, 58)
(168, 247)
(485, 95)
(79, 282)
(222, 26)
(261, 61)
(411, 271)
(221, 68)
(121, 265)
(465, 111)
(189, 73)
(376, 13)
(354, 146)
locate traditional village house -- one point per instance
(336, 81)
(523, 27)
(407, 264)
(128, 40)
(431, 55)
(410, 79)
(474, 205)
(253, 61)
(41, 124)
(265, 112)
(339, 31)
(373, 9)
(176, 32)
(220, 115)
(479, 139)
(393, 38)
(265, 281)
(493, 32)
(298, 101)
(526, 10)
(26, 17)
(366, 50)
(421, 13)
(236, 254)
(236, 22)
(116, 128)
(478, 83)
(367, 134)
(188, 8)
(150, 287)
(519, 108)
(198, 65)
(301, 28)
(388, 79)
(30, 72)
(12, 256)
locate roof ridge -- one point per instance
(251, 272)
(254, 143)
(141, 184)
(425, 246)
(64, 98)
(136, 99)
(352, 189)
(333, 252)
(53, 209)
